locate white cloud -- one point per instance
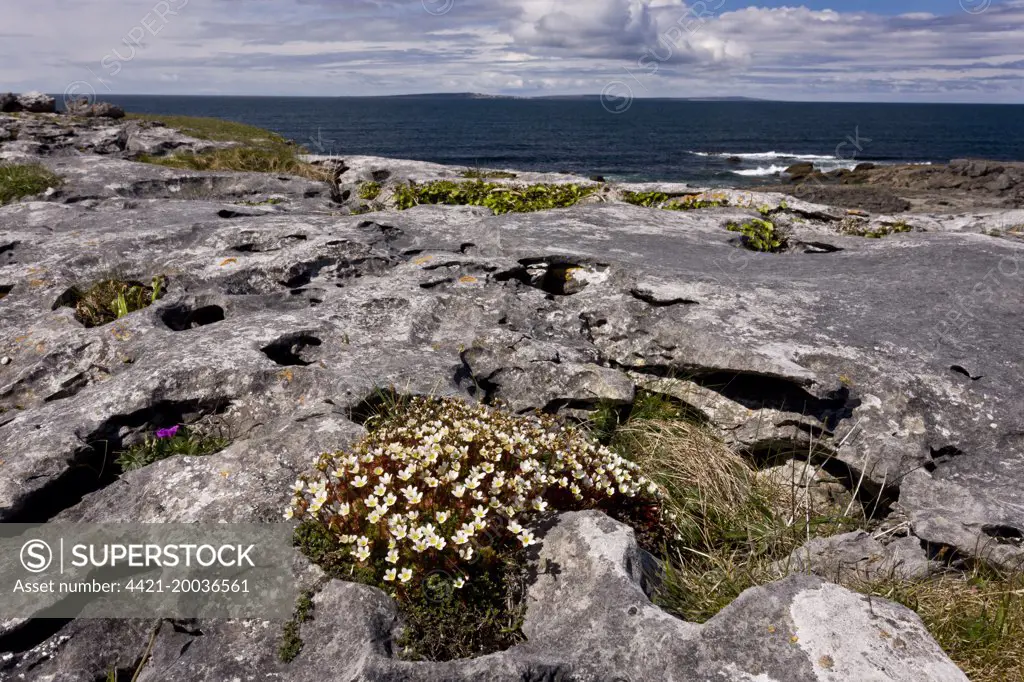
(323, 47)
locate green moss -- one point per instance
(111, 299)
(441, 623)
(760, 235)
(291, 641)
(499, 198)
(477, 174)
(24, 180)
(186, 442)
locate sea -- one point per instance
(715, 143)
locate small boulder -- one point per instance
(9, 103)
(799, 171)
(861, 167)
(37, 103)
(83, 108)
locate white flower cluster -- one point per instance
(421, 490)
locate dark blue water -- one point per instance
(654, 139)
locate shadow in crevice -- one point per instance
(92, 467)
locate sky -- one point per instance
(858, 50)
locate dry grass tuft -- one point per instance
(736, 527)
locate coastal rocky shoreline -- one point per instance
(289, 301)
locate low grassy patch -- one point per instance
(111, 299)
(498, 198)
(760, 235)
(169, 442)
(217, 130)
(256, 150)
(24, 180)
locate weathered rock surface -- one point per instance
(88, 109)
(588, 620)
(37, 103)
(896, 360)
(961, 184)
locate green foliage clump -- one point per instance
(169, 443)
(111, 299)
(477, 174)
(370, 190)
(861, 228)
(689, 202)
(760, 235)
(435, 506)
(24, 180)
(499, 198)
(291, 642)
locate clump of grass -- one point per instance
(977, 618)
(24, 180)
(661, 200)
(291, 641)
(734, 529)
(111, 299)
(370, 190)
(176, 440)
(478, 174)
(760, 235)
(499, 198)
(244, 160)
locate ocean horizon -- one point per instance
(731, 142)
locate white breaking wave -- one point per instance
(761, 170)
(768, 156)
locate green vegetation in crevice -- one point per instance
(370, 190)
(291, 640)
(499, 198)
(272, 201)
(760, 235)
(111, 299)
(478, 174)
(170, 442)
(860, 228)
(661, 200)
(24, 180)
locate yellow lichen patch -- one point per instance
(228, 261)
(286, 375)
(121, 333)
(467, 279)
(423, 260)
(826, 662)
